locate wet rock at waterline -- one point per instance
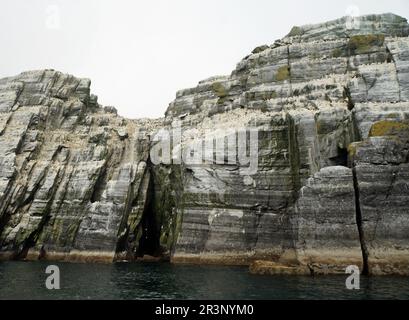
(295, 163)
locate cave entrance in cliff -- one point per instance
(149, 243)
(341, 159)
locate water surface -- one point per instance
(26, 280)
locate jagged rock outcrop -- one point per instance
(295, 163)
(310, 96)
(74, 177)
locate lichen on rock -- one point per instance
(330, 108)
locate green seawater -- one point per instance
(26, 280)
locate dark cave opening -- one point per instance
(341, 159)
(149, 243)
(99, 186)
(348, 97)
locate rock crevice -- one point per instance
(330, 107)
(364, 249)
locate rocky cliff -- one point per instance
(325, 111)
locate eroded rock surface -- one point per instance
(328, 103)
(74, 176)
(310, 96)
(381, 169)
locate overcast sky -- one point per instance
(139, 53)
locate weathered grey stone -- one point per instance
(381, 166)
(399, 48)
(327, 237)
(78, 182)
(323, 87)
(70, 172)
(388, 23)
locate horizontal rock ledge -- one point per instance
(330, 107)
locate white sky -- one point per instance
(139, 53)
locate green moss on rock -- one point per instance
(168, 203)
(394, 116)
(219, 90)
(361, 44)
(389, 128)
(283, 73)
(352, 149)
(336, 53)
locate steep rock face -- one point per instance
(309, 96)
(73, 177)
(381, 166)
(295, 163)
(326, 230)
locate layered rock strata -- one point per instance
(324, 110)
(74, 176)
(310, 95)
